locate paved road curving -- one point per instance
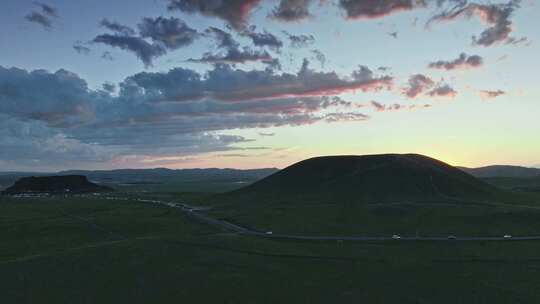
(192, 213)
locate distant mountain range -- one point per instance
(185, 175)
(502, 171)
(152, 176)
(163, 175)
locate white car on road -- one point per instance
(396, 237)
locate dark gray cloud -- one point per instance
(265, 39)
(380, 107)
(418, 84)
(345, 116)
(234, 56)
(491, 94)
(292, 10)
(144, 50)
(231, 53)
(44, 16)
(274, 64)
(496, 16)
(47, 9)
(320, 57)
(107, 56)
(81, 48)
(172, 32)
(165, 34)
(234, 12)
(370, 9)
(442, 90)
(58, 99)
(300, 41)
(225, 40)
(464, 61)
(334, 101)
(109, 87)
(117, 27)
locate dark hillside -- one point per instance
(370, 178)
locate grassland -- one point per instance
(92, 250)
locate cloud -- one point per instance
(417, 85)
(166, 114)
(117, 27)
(496, 16)
(32, 145)
(265, 39)
(443, 90)
(80, 48)
(346, 116)
(234, 12)
(320, 57)
(47, 9)
(171, 32)
(245, 85)
(487, 94)
(44, 16)
(59, 99)
(165, 34)
(300, 41)
(379, 107)
(371, 9)
(225, 40)
(291, 10)
(145, 51)
(462, 62)
(274, 64)
(233, 56)
(107, 56)
(231, 52)
(109, 87)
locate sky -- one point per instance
(266, 83)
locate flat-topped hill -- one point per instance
(54, 185)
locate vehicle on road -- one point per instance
(507, 236)
(451, 237)
(396, 237)
(269, 232)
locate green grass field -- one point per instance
(91, 250)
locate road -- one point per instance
(192, 213)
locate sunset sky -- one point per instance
(265, 83)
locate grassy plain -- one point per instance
(94, 250)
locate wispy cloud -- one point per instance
(496, 16)
(44, 16)
(464, 61)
